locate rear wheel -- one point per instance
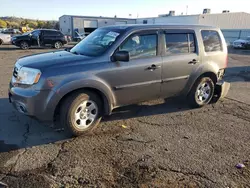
(81, 113)
(24, 45)
(58, 45)
(1, 42)
(201, 93)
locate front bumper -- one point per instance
(32, 103)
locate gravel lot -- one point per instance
(160, 143)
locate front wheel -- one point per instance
(81, 113)
(201, 93)
(58, 45)
(24, 45)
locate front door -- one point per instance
(35, 38)
(180, 59)
(140, 78)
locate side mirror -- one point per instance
(121, 56)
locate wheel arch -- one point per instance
(209, 74)
(107, 104)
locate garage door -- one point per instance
(90, 24)
(120, 23)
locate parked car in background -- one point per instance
(242, 43)
(120, 65)
(12, 32)
(5, 39)
(40, 37)
(79, 36)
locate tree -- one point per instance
(48, 25)
(13, 24)
(40, 24)
(24, 22)
(32, 24)
(3, 24)
(57, 26)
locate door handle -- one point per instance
(194, 61)
(153, 67)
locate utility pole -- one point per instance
(186, 9)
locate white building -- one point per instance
(238, 20)
(86, 24)
(233, 25)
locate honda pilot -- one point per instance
(116, 66)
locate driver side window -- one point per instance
(35, 34)
(140, 46)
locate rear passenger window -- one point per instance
(180, 43)
(51, 33)
(211, 41)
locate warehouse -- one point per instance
(71, 25)
(233, 25)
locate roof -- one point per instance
(215, 14)
(96, 17)
(152, 26)
(46, 29)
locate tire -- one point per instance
(73, 116)
(1, 42)
(24, 45)
(201, 93)
(58, 45)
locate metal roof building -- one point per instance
(69, 24)
(237, 20)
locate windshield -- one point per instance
(97, 42)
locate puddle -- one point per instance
(7, 147)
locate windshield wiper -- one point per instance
(75, 53)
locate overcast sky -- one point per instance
(53, 9)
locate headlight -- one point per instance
(28, 76)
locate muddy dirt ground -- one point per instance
(161, 143)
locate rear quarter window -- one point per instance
(211, 41)
(52, 33)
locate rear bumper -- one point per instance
(222, 89)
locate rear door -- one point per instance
(48, 37)
(180, 59)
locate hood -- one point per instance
(20, 36)
(51, 59)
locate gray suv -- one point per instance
(116, 66)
